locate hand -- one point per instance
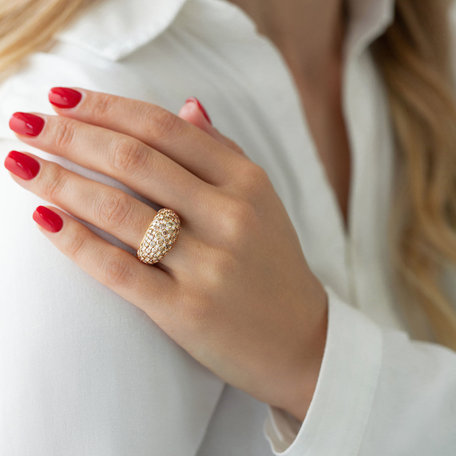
(235, 291)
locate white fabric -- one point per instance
(83, 372)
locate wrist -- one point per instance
(300, 393)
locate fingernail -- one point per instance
(26, 124)
(63, 97)
(48, 219)
(22, 165)
(200, 106)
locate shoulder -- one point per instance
(94, 51)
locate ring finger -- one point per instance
(106, 207)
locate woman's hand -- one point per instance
(235, 291)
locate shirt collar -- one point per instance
(368, 20)
(115, 28)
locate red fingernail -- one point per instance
(26, 124)
(48, 219)
(200, 106)
(22, 165)
(63, 97)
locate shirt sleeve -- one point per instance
(378, 392)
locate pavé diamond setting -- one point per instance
(160, 237)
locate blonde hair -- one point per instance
(27, 25)
(413, 56)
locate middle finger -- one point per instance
(142, 168)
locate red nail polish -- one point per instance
(48, 219)
(22, 165)
(200, 106)
(63, 97)
(26, 124)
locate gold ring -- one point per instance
(160, 236)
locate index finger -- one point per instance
(186, 144)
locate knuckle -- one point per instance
(258, 174)
(64, 133)
(116, 271)
(113, 208)
(163, 123)
(254, 175)
(56, 180)
(128, 155)
(237, 217)
(75, 244)
(101, 106)
(254, 183)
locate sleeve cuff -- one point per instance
(339, 410)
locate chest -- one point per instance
(328, 129)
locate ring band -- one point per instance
(160, 236)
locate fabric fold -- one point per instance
(344, 393)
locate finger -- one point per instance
(193, 112)
(143, 169)
(145, 286)
(182, 142)
(106, 207)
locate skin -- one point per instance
(236, 291)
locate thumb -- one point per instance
(194, 113)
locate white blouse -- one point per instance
(84, 372)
